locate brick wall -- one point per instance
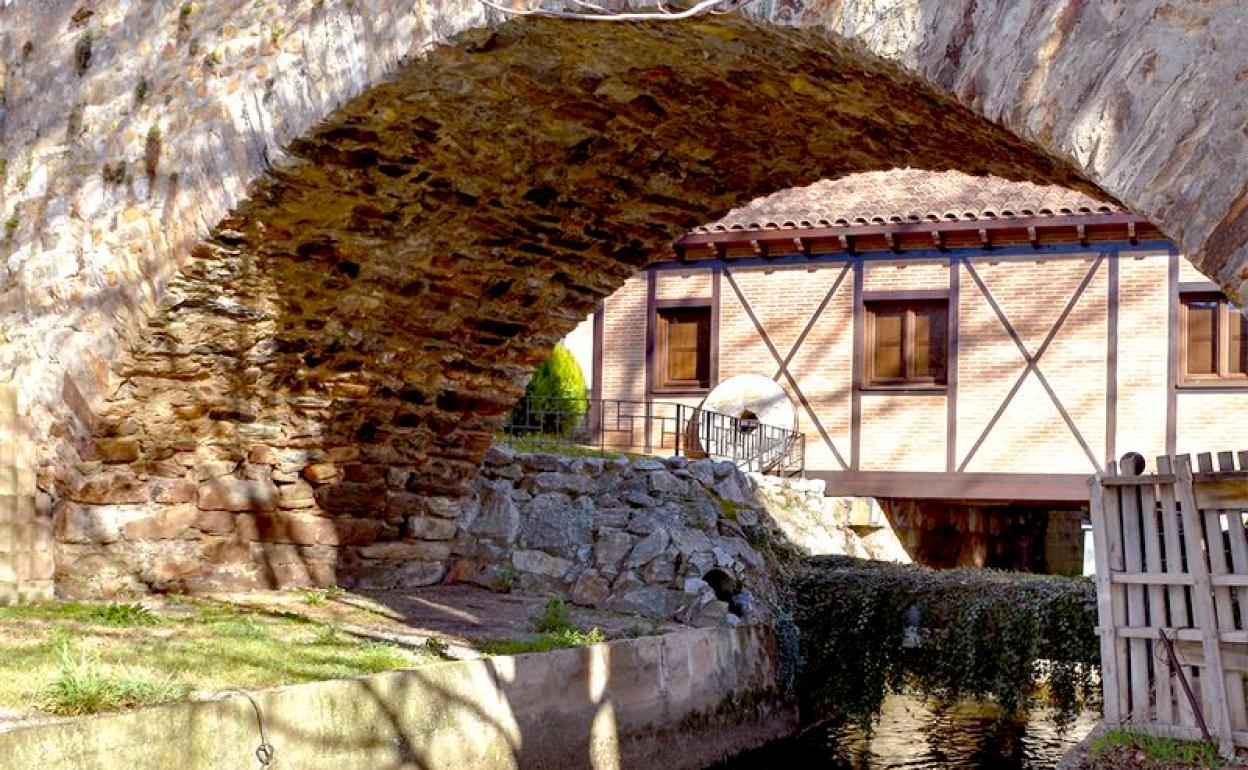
(907, 431)
(783, 301)
(624, 341)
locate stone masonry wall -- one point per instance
(639, 535)
(642, 535)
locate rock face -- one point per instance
(651, 558)
(382, 283)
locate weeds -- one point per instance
(1162, 752)
(83, 686)
(376, 658)
(546, 642)
(556, 631)
(554, 618)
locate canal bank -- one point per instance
(681, 701)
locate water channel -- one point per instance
(911, 736)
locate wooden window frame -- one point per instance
(1222, 376)
(659, 341)
(908, 382)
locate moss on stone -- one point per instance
(82, 52)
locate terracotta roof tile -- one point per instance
(901, 196)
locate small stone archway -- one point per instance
(325, 371)
(314, 395)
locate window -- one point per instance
(907, 342)
(1212, 335)
(683, 336)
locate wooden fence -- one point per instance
(1172, 595)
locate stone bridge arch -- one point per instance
(322, 373)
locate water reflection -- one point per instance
(911, 736)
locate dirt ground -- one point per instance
(458, 615)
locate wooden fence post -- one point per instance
(1213, 678)
(1105, 611)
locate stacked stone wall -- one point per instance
(632, 534)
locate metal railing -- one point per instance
(655, 427)
(751, 445)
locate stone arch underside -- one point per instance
(312, 399)
(1130, 92)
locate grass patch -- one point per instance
(556, 631)
(1107, 751)
(83, 686)
(553, 445)
(72, 658)
(557, 640)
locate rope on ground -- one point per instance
(265, 752)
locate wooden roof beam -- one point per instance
(984, 238)
(938, 240)
(1082, 231)
(1033, 235)
(847, 243)
(802, 245)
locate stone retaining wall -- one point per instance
(646, 535)
(633, 534)
(677, 701)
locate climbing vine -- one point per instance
(868, 629)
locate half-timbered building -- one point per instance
(967, 350)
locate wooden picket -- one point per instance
(1172, 563)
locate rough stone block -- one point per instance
(351, 497)
(117, 450)
(430, 528)
(419, 551)
(611, 549)
(94, 523)
(297, 495)
(589, 590)
(540, 563)
(215, 522)
(321, 473)
(282, 527)
(170, 521)
(650, 546)
(117, 488)
(358, 531)
(230, 494)
(571, 483)
(170, 491)
(499, 518)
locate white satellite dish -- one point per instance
(759, 405)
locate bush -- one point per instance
(980, 634)
(555, 398)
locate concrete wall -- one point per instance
(677, 701)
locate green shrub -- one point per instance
(981, 634)
(554, 618)
(558, 386)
